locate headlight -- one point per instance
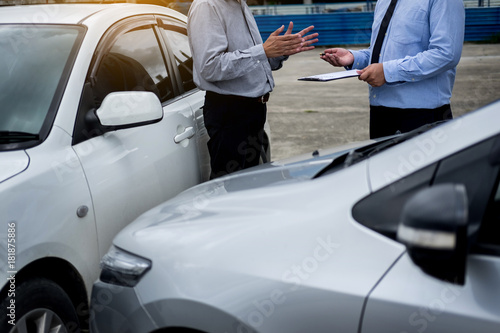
(123, 268)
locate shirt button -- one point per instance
(374, 96)
(258, 61)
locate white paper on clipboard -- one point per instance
(331, 76)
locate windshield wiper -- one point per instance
(17, 136)
(356, 155)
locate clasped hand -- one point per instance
(289, 43)
(372, 74)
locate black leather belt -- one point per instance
(262, 99)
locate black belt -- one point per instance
(380, 107)
(262, 99)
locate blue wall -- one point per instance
(355, 27)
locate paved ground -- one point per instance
(305, 115)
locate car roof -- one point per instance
(77, 13)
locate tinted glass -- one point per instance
(134, 62)
(33, 59)
(178, 40)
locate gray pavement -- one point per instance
(305, 115)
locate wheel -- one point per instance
(40, 306)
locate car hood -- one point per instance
(235, 197)
(294, 169)
(259, 236)
(13, 163)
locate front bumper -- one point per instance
(116, 309)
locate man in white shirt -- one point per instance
(234, 66)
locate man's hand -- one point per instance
(289, 43)
(373, 75)
(338, 57)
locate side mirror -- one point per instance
(127, 109)
(434, 229)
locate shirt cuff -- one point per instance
(258, 53)
(357, 63)
(391, 71)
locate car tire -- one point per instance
(39, 303)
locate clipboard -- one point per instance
(331, 76)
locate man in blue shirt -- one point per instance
(412, 82)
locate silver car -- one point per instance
(399, 235)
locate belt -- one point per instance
(261, 99)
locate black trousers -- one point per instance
(235, 126)
(386, 121)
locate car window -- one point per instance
(134, 62)
(179, 45)
(381, 210)
(472, 167)
(35, 64)
(489, 234)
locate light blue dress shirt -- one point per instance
(421, 50)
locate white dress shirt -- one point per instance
(227, 58)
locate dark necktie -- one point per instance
(382, 31)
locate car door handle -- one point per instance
(187, 134)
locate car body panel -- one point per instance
(51, 189)
(412, 301)
(13, 163)
(196, 100)
(88, 14)
(54, 14)
(310, 256)
(122, 160)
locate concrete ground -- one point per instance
(305, 115)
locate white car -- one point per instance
(401, 235)
(99, 122)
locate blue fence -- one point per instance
(482, 23)
(355, 27)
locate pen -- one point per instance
(322, 54)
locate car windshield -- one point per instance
(33, 72)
